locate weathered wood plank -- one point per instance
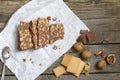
(111, 76)
(115, 49)
(90, 11)
(84, 11)
(103, 24)
(2, 25)
(95, 1)
(10, 78)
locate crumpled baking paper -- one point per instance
(45, 56)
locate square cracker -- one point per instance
(66, 59)
(80, 68)
(73, 65)
(59, 71)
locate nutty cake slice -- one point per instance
(33, 30)
(56, 32)
(43, 32)
(25, 41)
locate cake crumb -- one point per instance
(49, 18)
(55, 47)
(32, 62)
(40, 64)
(24, 60)
(54, 19)
(30, 59)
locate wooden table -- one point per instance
(101, 16)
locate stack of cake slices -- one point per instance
(38, 33)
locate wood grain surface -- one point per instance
(101, 16)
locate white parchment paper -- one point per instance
(44, 56)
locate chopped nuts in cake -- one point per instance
(38, 33)
(56, 32)
(43, 32)
(25, 41)
(33, 30)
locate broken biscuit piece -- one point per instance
(59, 71)
(24, 38)
(80, 67)
(66, 59)
(87, 68)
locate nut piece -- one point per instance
(78, 46)
(33, 30)
(86, 54)
(101, 64)
(55, 47)
(111, 59)
(100, 53)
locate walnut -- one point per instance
(111, 59)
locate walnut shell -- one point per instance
(78, 46)
(101, 64)
(111, 59)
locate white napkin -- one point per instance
(44, 56)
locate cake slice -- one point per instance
(24, 39)
(43, 32)
(33, 30)
(56, 32)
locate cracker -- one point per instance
(73, 65)
(66, 59)
(81, 65)
(59, 71)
